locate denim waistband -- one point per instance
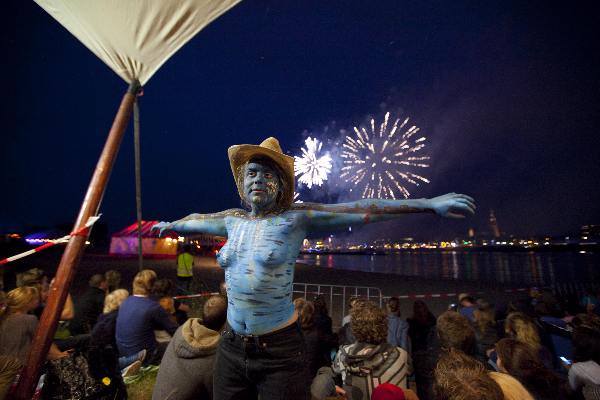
(294, 326)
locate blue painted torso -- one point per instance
(259, 259)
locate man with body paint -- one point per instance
(261, 351)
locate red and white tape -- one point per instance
(445, 295)
(191, 296)
(82, 231)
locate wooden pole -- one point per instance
(74, 250)
(138, 180)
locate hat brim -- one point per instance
(240, 154)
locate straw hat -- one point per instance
(242, 153)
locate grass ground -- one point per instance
(141, 389)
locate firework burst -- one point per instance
(311, 167)
(379, 158)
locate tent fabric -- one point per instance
(135, 37)
(147, 231)
(125, 242)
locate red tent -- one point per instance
(125, 242)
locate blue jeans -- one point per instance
(270, 365)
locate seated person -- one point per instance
(162, 291)
(452, 331)
(318, 344)
(366, 363)
(584, 374)
(345, 335)
(113, 280)
(524, 329)
(461, 377)
(186, 370)
(484, 324)
(89, 306)
(138, 318)
(466, 306)
(511, 388)
(102, 350)
(103, 333)
(322, 319)
(522, 362)
(18, 326)
(38, 279)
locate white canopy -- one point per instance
(135, 37)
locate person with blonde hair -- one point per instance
(521, 327)
(37, 278)
(511, 388)
(521, 361)
(113, 300)
(17, 326)
(138, 317)
(143, 282)
(103, 333)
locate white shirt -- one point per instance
(584, 373)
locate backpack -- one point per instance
(384, 364)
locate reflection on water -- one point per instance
(543, 268)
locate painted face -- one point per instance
(261, 186)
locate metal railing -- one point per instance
(337, 296)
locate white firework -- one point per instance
(379, 159)
(311, 167)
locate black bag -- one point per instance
(70, 378)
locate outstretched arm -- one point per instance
(212, 224)
(332, 216)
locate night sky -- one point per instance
(506, 92)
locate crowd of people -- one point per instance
(536, 347)
(108, 335)
(533, 348)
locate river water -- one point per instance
(526, 267)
